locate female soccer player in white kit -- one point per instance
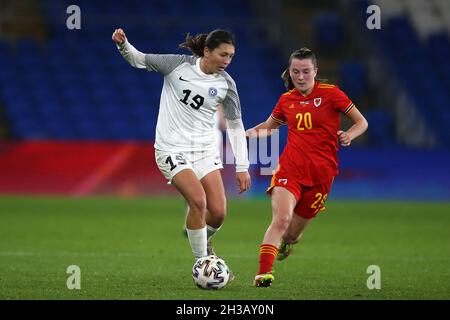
(185, 146)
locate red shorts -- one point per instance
(310, 200)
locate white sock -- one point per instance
(197, 239)
(210, 231)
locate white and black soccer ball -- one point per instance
(210, 272)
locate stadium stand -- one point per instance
(68, 92)
(416, 51)
(72, 86)
(75, 85)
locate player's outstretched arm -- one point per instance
(263, 129)
(119, 37)
(128, 52)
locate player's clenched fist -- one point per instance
(118, 36)
(344, 138)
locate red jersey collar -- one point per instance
(316, 83)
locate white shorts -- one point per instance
(201, 162)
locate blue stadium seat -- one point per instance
(381, 131)
(413, 60)
(329, 34)
(353, 79)
(78, 86)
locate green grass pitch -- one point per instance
(135, 249)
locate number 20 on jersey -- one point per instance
(304, 121)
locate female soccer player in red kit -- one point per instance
(309, 163)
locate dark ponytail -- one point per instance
(195, 43)
(212, 40)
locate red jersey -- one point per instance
(313, 121)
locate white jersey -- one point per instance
(189, 100)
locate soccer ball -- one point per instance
(210, 272)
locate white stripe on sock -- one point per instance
(210, 231)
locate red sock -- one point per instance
(267, 254)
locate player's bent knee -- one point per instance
(218, 212)
(198, 204)
(281, 223)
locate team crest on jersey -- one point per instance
(212, 92)
(317, 102)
